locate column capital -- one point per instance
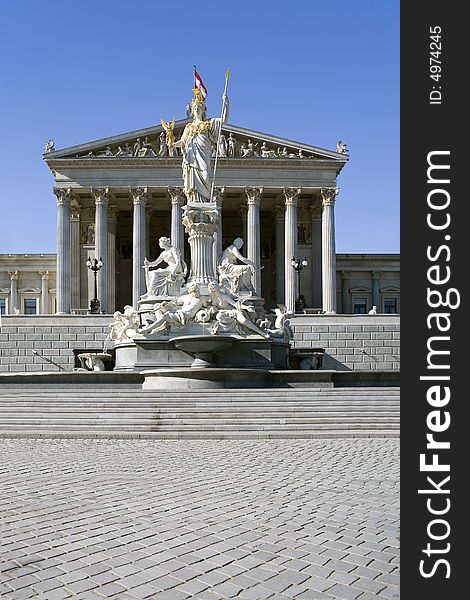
(139, 195)
(316, 212)
(291, 195)
(279, 212)
(219, 193)
(13, 274)
(100, 194)
(63, 196)
(376, 274)
(345, 274)
(75, 211)
(112, 211)
(253, 195)
(44, 274)
(177, 195)
(328, 196)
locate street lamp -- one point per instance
(95, 264)
(298, 264)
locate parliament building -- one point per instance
(118, 195)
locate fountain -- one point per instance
(205, 328)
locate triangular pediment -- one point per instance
(236, 142)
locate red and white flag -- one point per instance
(198, 83)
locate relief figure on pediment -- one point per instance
(231, 146)
(266, 152)
(124, 151)
(196, 146)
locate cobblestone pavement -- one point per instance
(135, 519)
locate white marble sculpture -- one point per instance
(49, 147)
(341, 147)
(125, 325)
(166, 280)
(196, 146)
(179, 311)
(234, 311)
(281, 326)
(373, 310)
(236, 277)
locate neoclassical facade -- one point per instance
(117, 196)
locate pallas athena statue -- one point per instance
(196, 146)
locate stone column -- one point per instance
(178, 199)
(64, 196)
(346, 297)
(44, 304)
(75, 255)
(218, 198)
(280, 216)
(375, 289)
(201, 225)
(316, 257)
(112, 219)
(291, 196)
(101, 196)
(139, 195)
(253, 253)
(244, 213)
(328, 196)
(148, 218)
(13, 291)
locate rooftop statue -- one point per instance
(196, 146)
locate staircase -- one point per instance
(218, 414)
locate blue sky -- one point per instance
(313, 71)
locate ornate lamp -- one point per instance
(298, 264)
(95, 264)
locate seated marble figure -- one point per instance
(167, 280)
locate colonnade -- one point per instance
(285, 212)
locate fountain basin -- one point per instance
(94, 361)
(203, 348)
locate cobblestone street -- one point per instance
(135, 519)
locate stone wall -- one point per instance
(365, 342)
(52, 336)
(351, 341)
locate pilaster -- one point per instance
(13, 292)
(44, 303)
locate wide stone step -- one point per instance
(4, 388)
(216, 414)
(204, 435)
(198, 420)
(249, 426)
(219, 393)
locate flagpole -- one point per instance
(227, 75)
